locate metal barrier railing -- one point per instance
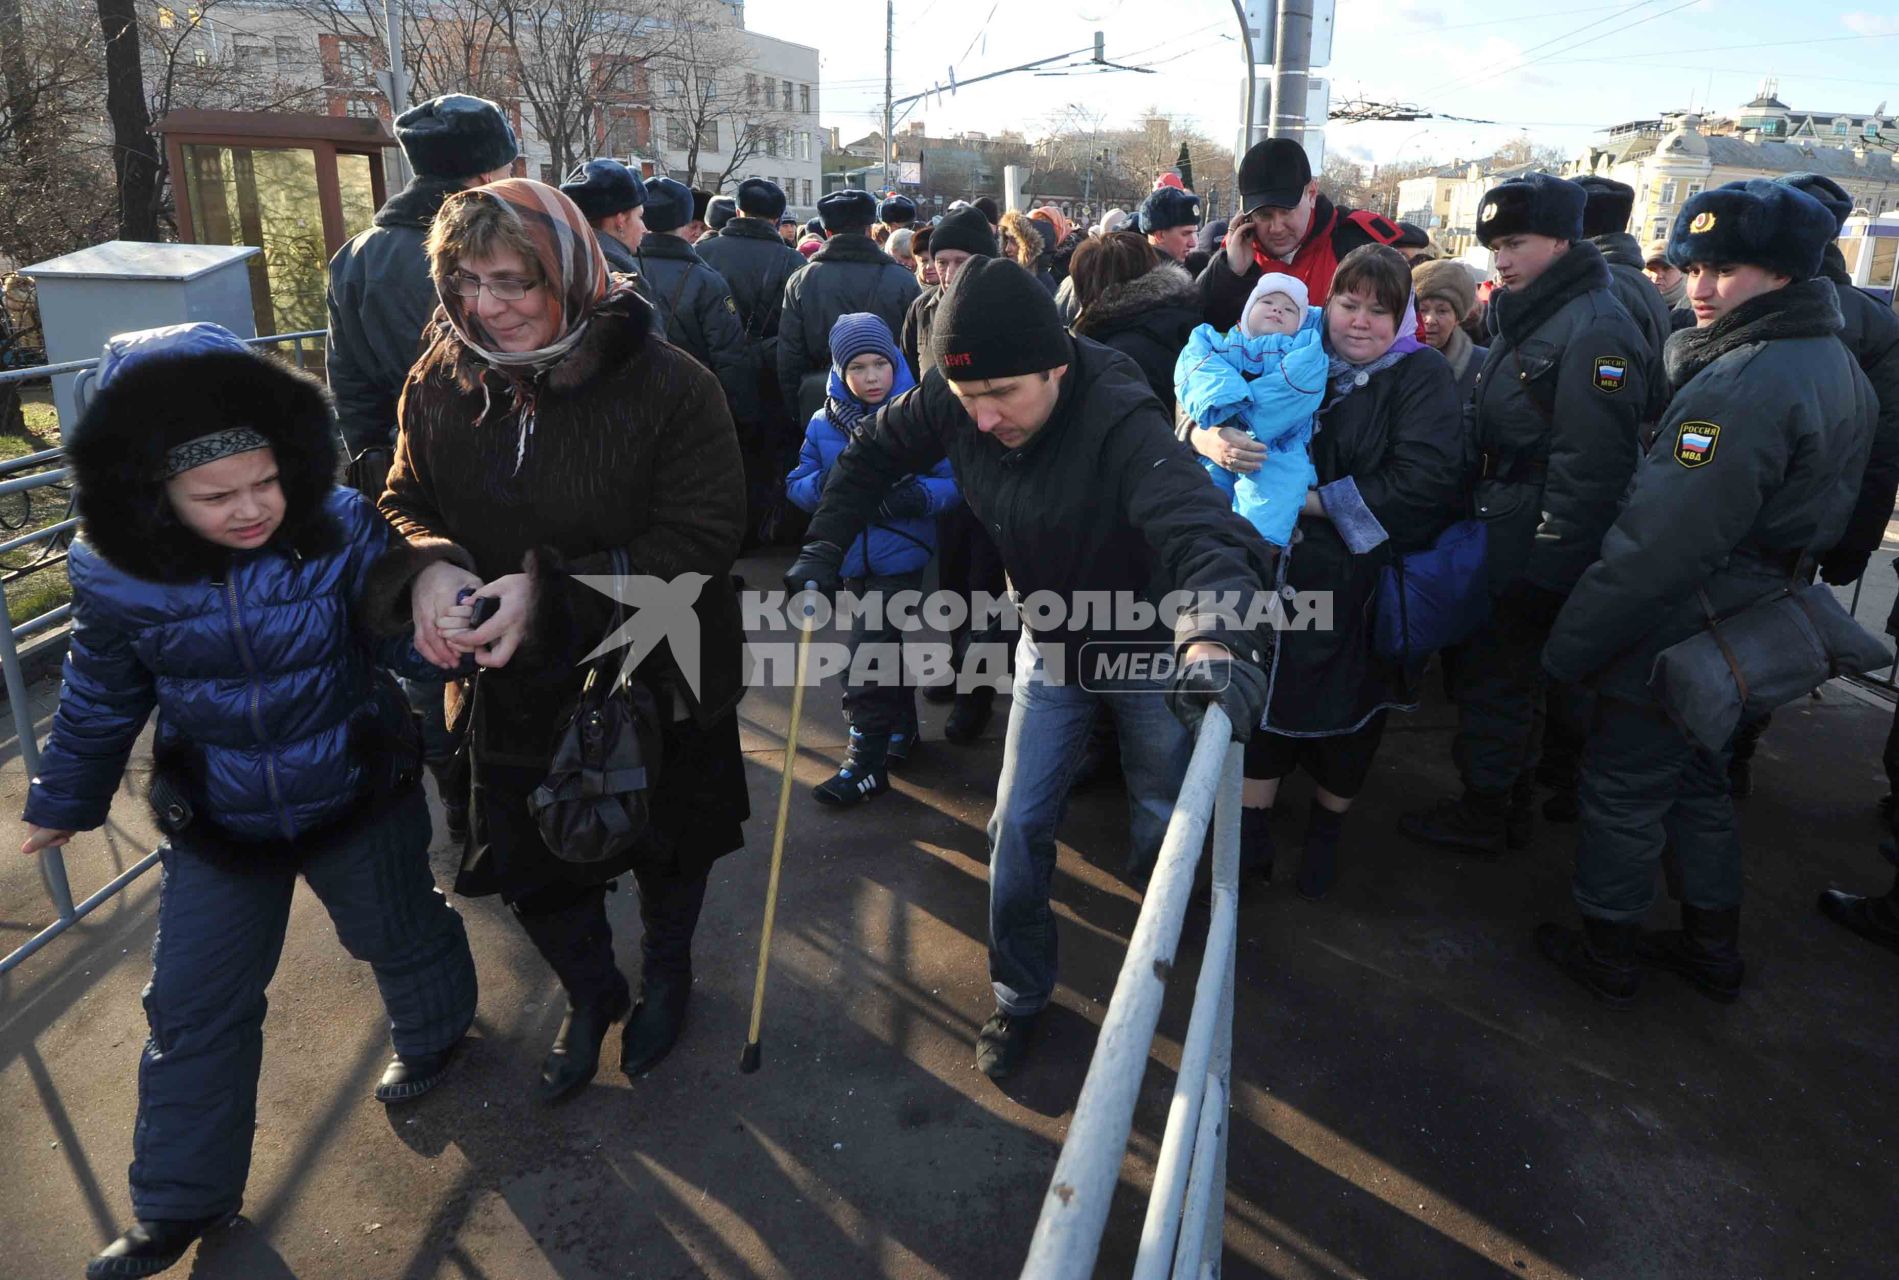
(56, 537)
(1888, 683)
(1181, 1236)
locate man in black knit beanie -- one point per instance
(1064, 454)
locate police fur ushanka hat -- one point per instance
(1610, 203)
(161, 389)
(1753, 223)
(1536, 204)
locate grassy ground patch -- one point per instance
(44, 588)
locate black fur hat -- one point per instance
(1837, 200)
(456, 136)
(1759, 223)
(185, 385)
(758, 198)
(1609, 205)
(1536, 204)
(847, 210)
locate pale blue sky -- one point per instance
(1561, 76)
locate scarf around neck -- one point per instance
(573, 271)
(1804, 309)
(1346, 377)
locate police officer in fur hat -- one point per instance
(693, 299)
(1558, 409)
(613, 199)
(897, 212)
(1870, 331)
(1606, 223)
(849, 273)
(1170, 219)
(1753, 474)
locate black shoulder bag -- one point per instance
(596, 802)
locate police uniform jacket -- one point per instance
(697, 309)
(1756, 465)
(1640, 298)
(850, 273)
(1870, 332)
(756, 264)
(1557, 413)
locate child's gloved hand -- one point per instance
(906, 500)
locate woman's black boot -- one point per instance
(577, 944)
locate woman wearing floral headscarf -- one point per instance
(545, 428)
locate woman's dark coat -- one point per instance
(1146, 319)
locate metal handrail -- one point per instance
(53, 861)
(1182, 1234)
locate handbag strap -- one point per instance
(1714, 629)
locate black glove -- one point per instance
(1842, 568)
(907, 500)
(1237, 688)
(820, 564)
(1530, 606)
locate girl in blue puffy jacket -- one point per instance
(220, 582)
(867, 371)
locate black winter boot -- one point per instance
(1003, 1042)
(1601, 957)
(940, 693)
(1704, 951)
(864, 774)
(578, 945)
(150, 1247)
(657, 1020)
(1257, 851)
(1874, 919)
(897, 752)
(1319, 859)
(1474, 823)
(970, 716)
(407, 1078)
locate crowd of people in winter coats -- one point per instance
(536, 385)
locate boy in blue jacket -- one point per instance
(219, 581)
(867, 372)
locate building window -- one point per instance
(289, 54)
(771, 142)
(709, 135)
(804, 99)
(1694, 189)
(771, 95)
(677, 135)
(807, 190)
(625, 133)
(787, 95)
(1841, 128)
(751, 89)
(201, 56)
(253, 55)
(355, 62)
(166, 18)
(1668, 192)
(804, 145)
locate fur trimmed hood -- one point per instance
(118, 452)
(1167, 285)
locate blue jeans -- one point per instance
(220, 933)
(1048, 729)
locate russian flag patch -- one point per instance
(1611, 373)
(1695, 442)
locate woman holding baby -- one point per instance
(1387, 473)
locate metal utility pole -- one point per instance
(890, 38)
(1292, 70)
(395, 86)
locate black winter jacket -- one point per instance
(697, 309)
(1102, 499)
(1557, 412)
(1147, 320)
(1642, 300)
(1393, 449)
(850, 273)
(1870, 331)
(1757, 462)
(380, 299)
(756, 264)
(918, 321)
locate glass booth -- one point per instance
(295, 186)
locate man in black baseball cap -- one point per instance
(1283, 225)
(1061, 449)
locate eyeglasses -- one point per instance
(468, 286)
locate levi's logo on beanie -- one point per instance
(997, 321)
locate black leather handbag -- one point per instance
(596, 802)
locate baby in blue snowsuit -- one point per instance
(1266, 376)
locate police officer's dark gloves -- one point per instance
(1841, 568)
(906, 500)
(819, 562)
(1237, 688)
(1529, 605)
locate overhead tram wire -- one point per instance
(1686, 4)
(1458, 81)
